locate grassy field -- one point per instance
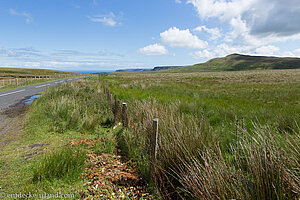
(16, 72)
(266, 97)
(222, 135)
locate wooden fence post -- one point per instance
(108, 95)
(153, 147)
(124, 115)
(116, 111)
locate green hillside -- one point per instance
(15, 72)
(237, 62)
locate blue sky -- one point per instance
(79, 35)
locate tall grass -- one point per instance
(78, 106)
(210, 143)
(260, 164)
(265, 165)
(204, 152)
(67, 163)
(64, 115)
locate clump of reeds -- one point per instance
(259, 164)
(263, 165)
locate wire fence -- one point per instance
(20, 80)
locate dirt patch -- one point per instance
(33, 150)
(11, 123)
(16, 110)
(108, 177)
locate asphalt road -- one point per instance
(11, 97)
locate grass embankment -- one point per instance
(17, 72)
(223, 135)
(60, 144)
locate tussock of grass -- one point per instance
(77, 106)
(67, 163)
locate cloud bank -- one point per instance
(255, 27)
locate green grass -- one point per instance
(66, 113)
(16, 72)
(203, 153)
(224, 119)
(65, 163)
(265, 97)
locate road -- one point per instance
(11, 97)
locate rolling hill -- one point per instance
(16, 72)
(238, 62)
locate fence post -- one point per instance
(116, 111)
(108, 95)
(124, 115)
(153, 147)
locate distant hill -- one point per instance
(237, 62)
(133, 70)
(165, 67)
(15, 72)
(158, 68)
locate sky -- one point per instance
(105, 35)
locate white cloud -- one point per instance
(221, 50)
(225, 49)
(253, 26)
(202, 54)
(214, 33)
(28, 17)
(108, 20)
(175, 37)
(263, 17)
(154, 49)
(221, 9)
(267, 50)
(178, 1)
(296, 52)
